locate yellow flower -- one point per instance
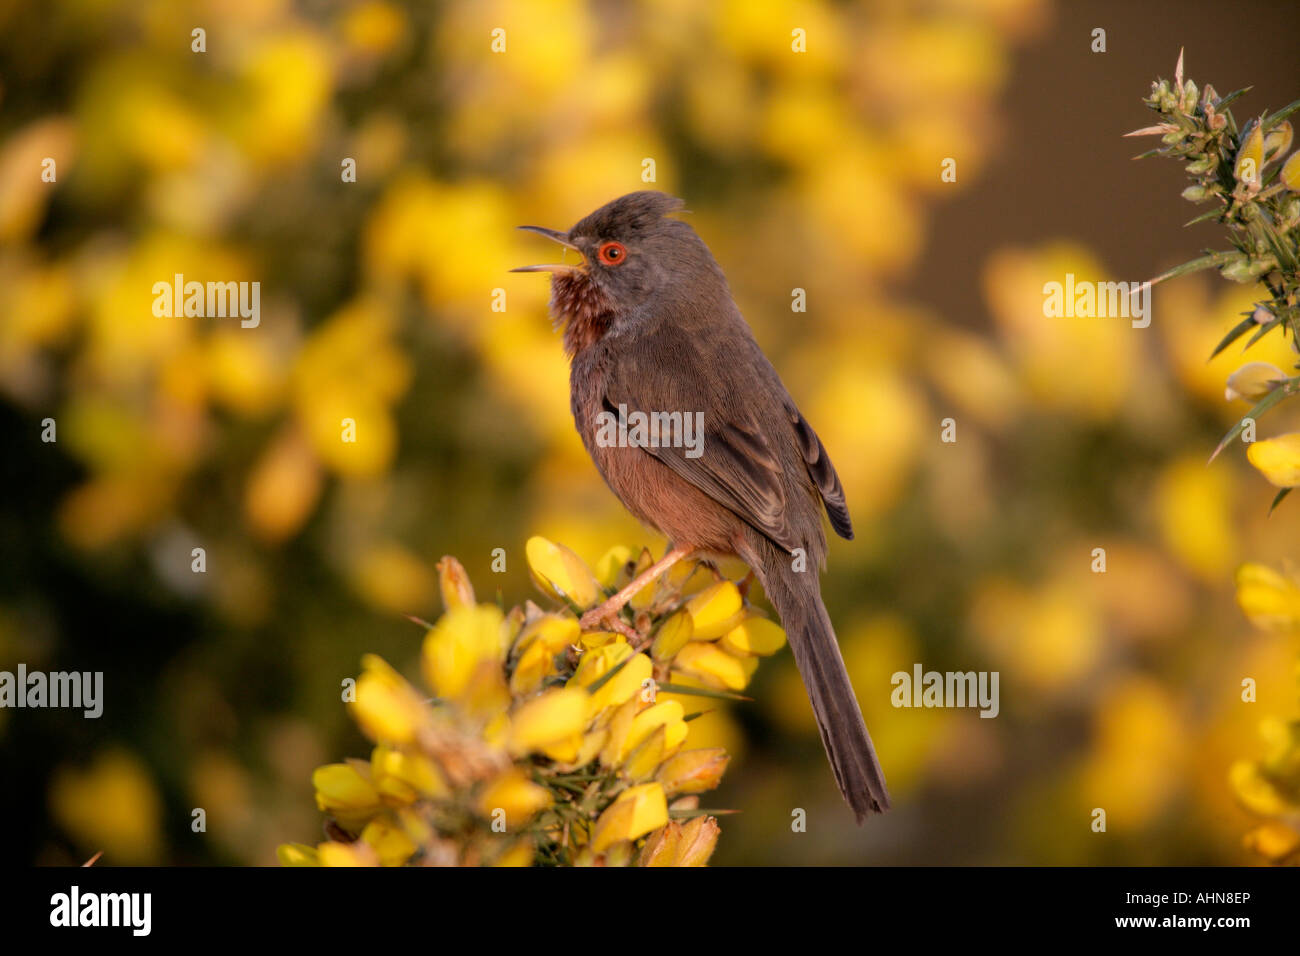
(636, 812)
(344, 791)
(1278, 459)
(1253, 381)
(1250, 157)
(1270, 600)
(463, 656)
(699, 837)
(714, 666)
(561, 573)
(387, 708)
(595, 664)
(693, 771)
(537, 647)
(401, 777)
(553, 719)
(713, 611)
(673, 634)
(754, 635)
(454, 583)
(390, 843)
(1291, 173)
(514, 795)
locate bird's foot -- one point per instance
(605, 617)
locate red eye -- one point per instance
(612, 253)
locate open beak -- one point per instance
(563, 239)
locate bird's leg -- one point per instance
(608, 612)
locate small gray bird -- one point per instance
(650, 326)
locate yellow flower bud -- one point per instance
(515, 795)
(463, 657)
(714, 666)
(662, 846)
(1250, 157)
(1278, 459)
(560, 573)
(1270, 600)
(344, 791)
(387, 708)
(699, 838)
(1253, 381)
(693, 771)
(390, 843)
(558, 715)
(754, 635)
(457, 591)
(1278, 140)
(673, 635)
(645, 758)
(714, 610)
(635, 812)
(666, 714)
(1291, 173)
(297, 854)
(535, 664)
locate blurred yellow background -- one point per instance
(816, 170)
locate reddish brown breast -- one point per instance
(583, 309)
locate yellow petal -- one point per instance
(713, 610)
(661, 847)
(672, 636)
(1291, 173)
(465, 647)
(561, 573)
(1278, 459)
(1253, 381)
(457, 590)
(636, 812)
(754, 635)
(556, 716)
(714, 666)
(1250, 157)
(515, 795)
(699, 838)
(693, 771)
(390, 842)
(387, 708)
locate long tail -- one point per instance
(797, 598)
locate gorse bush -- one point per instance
(1254, 186)
(545, 743)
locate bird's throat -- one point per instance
(582, 308)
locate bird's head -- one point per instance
(629, 252)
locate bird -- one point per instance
(649, 325)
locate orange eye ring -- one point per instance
(612, 253)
